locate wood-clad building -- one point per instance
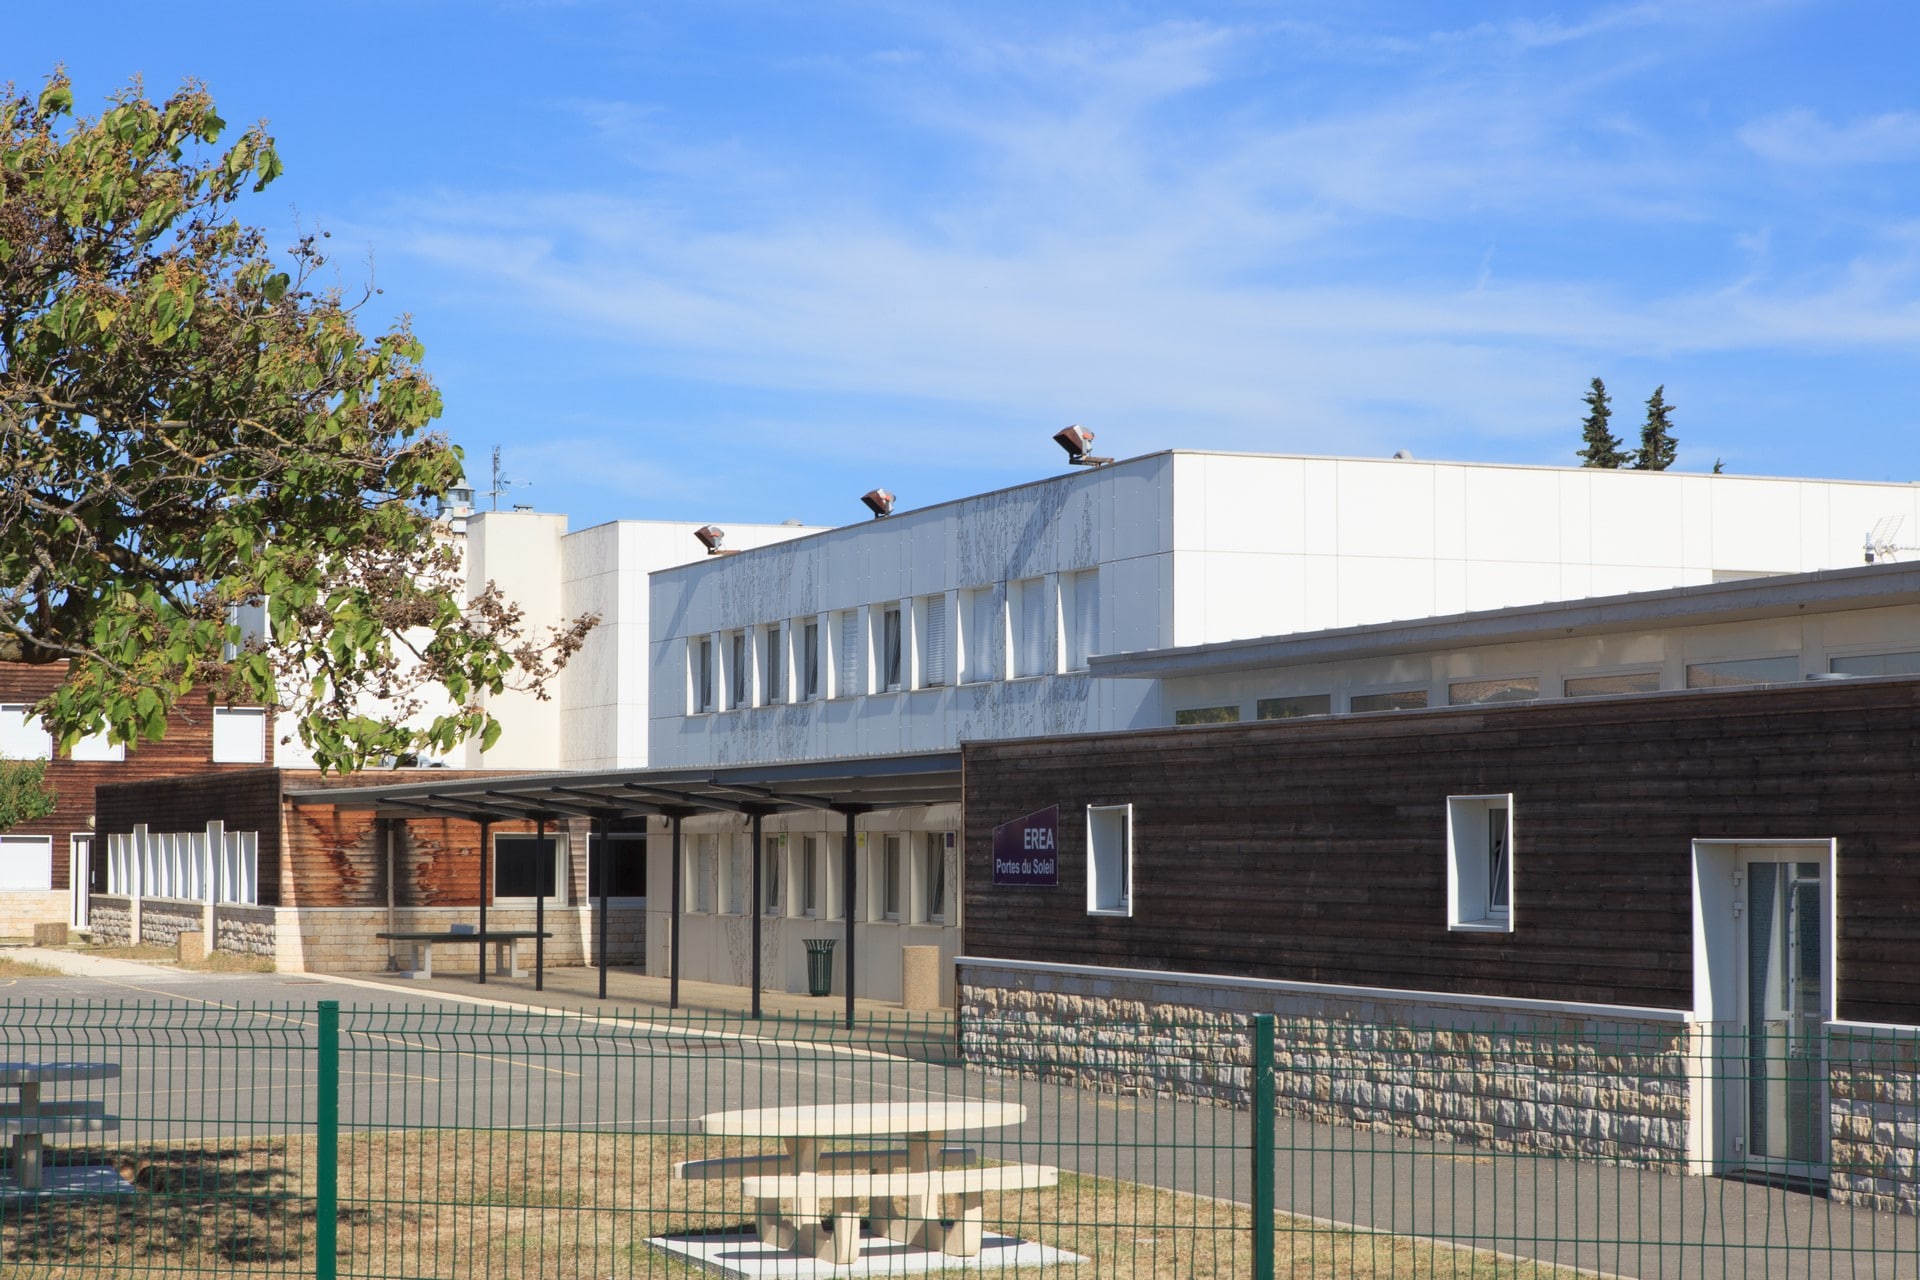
(38, 859)
(1317, 850)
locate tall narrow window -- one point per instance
(773, 661)
(1497, 862)
(850, 656)
(810, 660)
(737, 677)
(981, 619)
(703, 700)
(890, 648)
(1083, 636)
(1110, 859)
(933, 873)
(1480, 863)
(1034, 651)
(772, 883)
(933, 642)
(891, 873)
(810, 875)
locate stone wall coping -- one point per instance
(1280, 986)
(1874, 1030)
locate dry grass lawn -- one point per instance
(12, 968)
(154, 953)
(474, 1203)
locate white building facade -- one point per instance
(988, 617)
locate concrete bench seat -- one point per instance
(905, 1206)
(506, 946)
(734, 1168)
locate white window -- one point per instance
(26, 862)
(810, 660)
(890, 656)
(932, 637)
(1462, 693)
(933, 876)
(1731, 674)
(97, 747)
(1033, 654)
(810, 875)
(892, 874)
(1083, 613)
(981, 618)
(1480, 863)
(772, 882)
(703, 675)
(773, 661)
(1110, 860)
(239, 735)
(21, 737)
(739, 678)
(851, 655)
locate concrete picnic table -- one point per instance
(30, 1121)
(506, 946)
(904, 1187)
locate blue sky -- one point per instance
(744, 261)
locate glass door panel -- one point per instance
(1784, 1010)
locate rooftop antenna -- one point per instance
(500, 483)
(1881, 547)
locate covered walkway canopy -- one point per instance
(850, 787)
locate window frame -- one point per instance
(809, 876)
(976, 647)
(560, 840)
(703, 672)
(31, 731)
(1080, 625)
(232, 714)
(1472, 900)
(1426, 699)
(933, 642)
(596, 853)
(891, 676)
(933, 869)
(1567, 681)
(889, 881)
(774, 888)
(809, 684)
(1467, 682)
(1195, 714)
(1689, 667)
(1110, 830)
(97, 748)
(22, 840)
(773, 687)
(1261, 704)
(739, 671)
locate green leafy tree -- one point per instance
(188, 425)
(24, 793)
(1602, 446)
(1657, 445)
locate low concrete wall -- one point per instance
(1603, 1084)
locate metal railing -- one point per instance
(288, 1140)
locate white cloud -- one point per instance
(1802, 137)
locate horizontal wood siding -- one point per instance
(187, 748)
(248, 800)
(1316, 850)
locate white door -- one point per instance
(79, 877)
(1784, 995)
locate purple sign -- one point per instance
(1026, 851)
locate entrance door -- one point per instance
(1783, 1002)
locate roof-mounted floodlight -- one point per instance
(878, 501)
(711, 536)
(1077, 441)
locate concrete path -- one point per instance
(81, 965)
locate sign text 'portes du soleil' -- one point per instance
(1026, 851)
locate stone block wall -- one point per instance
(110, 920)
(247, 931)
(1873, 1101)
(162, 920)
(1534, 1079)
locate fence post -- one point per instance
(1263, 1140)
(327, 1154)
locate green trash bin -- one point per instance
(820, 966)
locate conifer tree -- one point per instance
(1657, 445)
(1603, 447)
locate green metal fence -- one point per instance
(406, 1140)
